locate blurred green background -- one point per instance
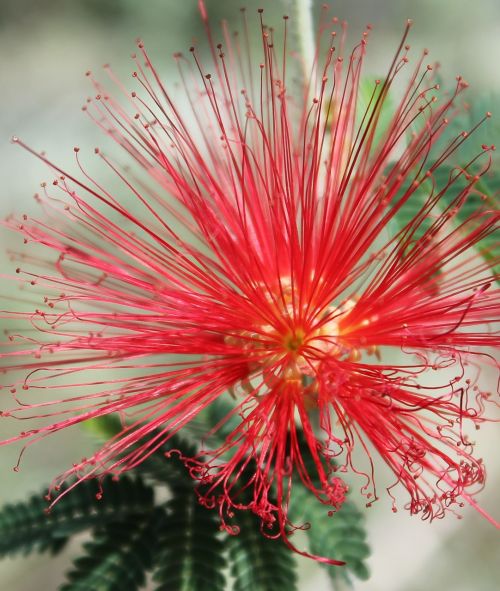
(47, 46)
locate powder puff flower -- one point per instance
(249, 254)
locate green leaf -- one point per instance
(372, 105)
(221, 414)
(482, 196)
(485, 196)
(25, 526)
(470, 115)
(190, 553)
(486, 191)
(163, 466)
(259, 563)
(339, 536)
(118, 556)
(103, 427)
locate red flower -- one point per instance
(251, 255)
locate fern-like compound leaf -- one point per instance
(190, 554)
(117, 558)
(339, 536)
(26, 526)
(259, 563)
(466, 195)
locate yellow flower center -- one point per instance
(295, 355)
(294, 341)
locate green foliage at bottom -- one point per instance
(170, 539)
(340, 536)
(117, 558)
(259, 563)
(27, 526)
(191, 553)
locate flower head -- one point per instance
(250, 255)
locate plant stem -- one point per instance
(305, 32)
(339, 585)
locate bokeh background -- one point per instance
(46, 47)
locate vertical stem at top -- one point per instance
(305, 32)
(339, 584)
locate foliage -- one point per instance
(190, 552)
(340, 535)
(137, 536)
(117, 557)
(465, 193)
(26, 526)
(456, 176)
(259, 563)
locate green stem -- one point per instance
(340, 585)
(305, 32)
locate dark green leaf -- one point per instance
(485, 196)
(190, 553)
(259, 563)
(118, 556)
(26, 527)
